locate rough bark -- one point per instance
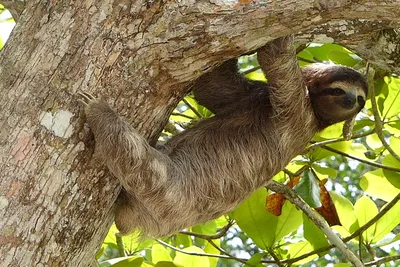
(55, 199)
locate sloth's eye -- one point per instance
(337, 91)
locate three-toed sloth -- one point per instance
(207, 170)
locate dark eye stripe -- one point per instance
(330, 91)
(336, 91)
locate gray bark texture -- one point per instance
(56, 199)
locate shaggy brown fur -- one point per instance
(207, 170)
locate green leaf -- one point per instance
(313, 234)
(346, 212)
(165, 264)
(375, 184)
(373, 141)
(392, 101)
(289, 221)
(255, 221)
(185, 260)
(365, 210)
(392, 176)
(210, 249)
(133, 261)
(159, 253)
(183, 241)
(308, 189)
(208, 228)
(343, 265)
(324, 171)
(255, 260)
(298, 249)
(387, 222)
(343, 58)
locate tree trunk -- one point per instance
(56, 199)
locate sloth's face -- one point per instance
(336, 93)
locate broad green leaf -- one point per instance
(132, 261)
(343, 265)
(333, 131)
(221, 221)
(392, 176)
(392, 102)
(344, 58)
(346, 212)
(365, 210)
(300, 248)
(255, 260)
(165, 264)
(289, 221)
(183, 241)
(208, 228)
(373, 141)
(186, 260)
(313, 234)
(256, 76)
(387, 222)
(210, 249)
(393, 127)
(134, 243)
(308, 189)
(159, 253)
(375, 184)
(255, 221)
(324, 171)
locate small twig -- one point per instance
(378, 165)
(120, 245)
(221, 233)
(317, 219)
(275, 257)
(314, 145)
(226, 253)
(380, 261)
(378, 120)
(251, 70)
(192, 108)
(193, 253)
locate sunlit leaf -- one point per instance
(185, 260)
(392, 101)
(165, 264)
(373, 141)
(298, 249)
(387, 222)
(132, 261)
(289, 221)
(375, 184)
(255, 260)
(159, 253)
(210, 249)
(324, 171)
(346, 212)
(313, 234)
(255, 221)
(392, 176)
(365, 210)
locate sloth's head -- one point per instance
(337, 93)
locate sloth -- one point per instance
(206, 171)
